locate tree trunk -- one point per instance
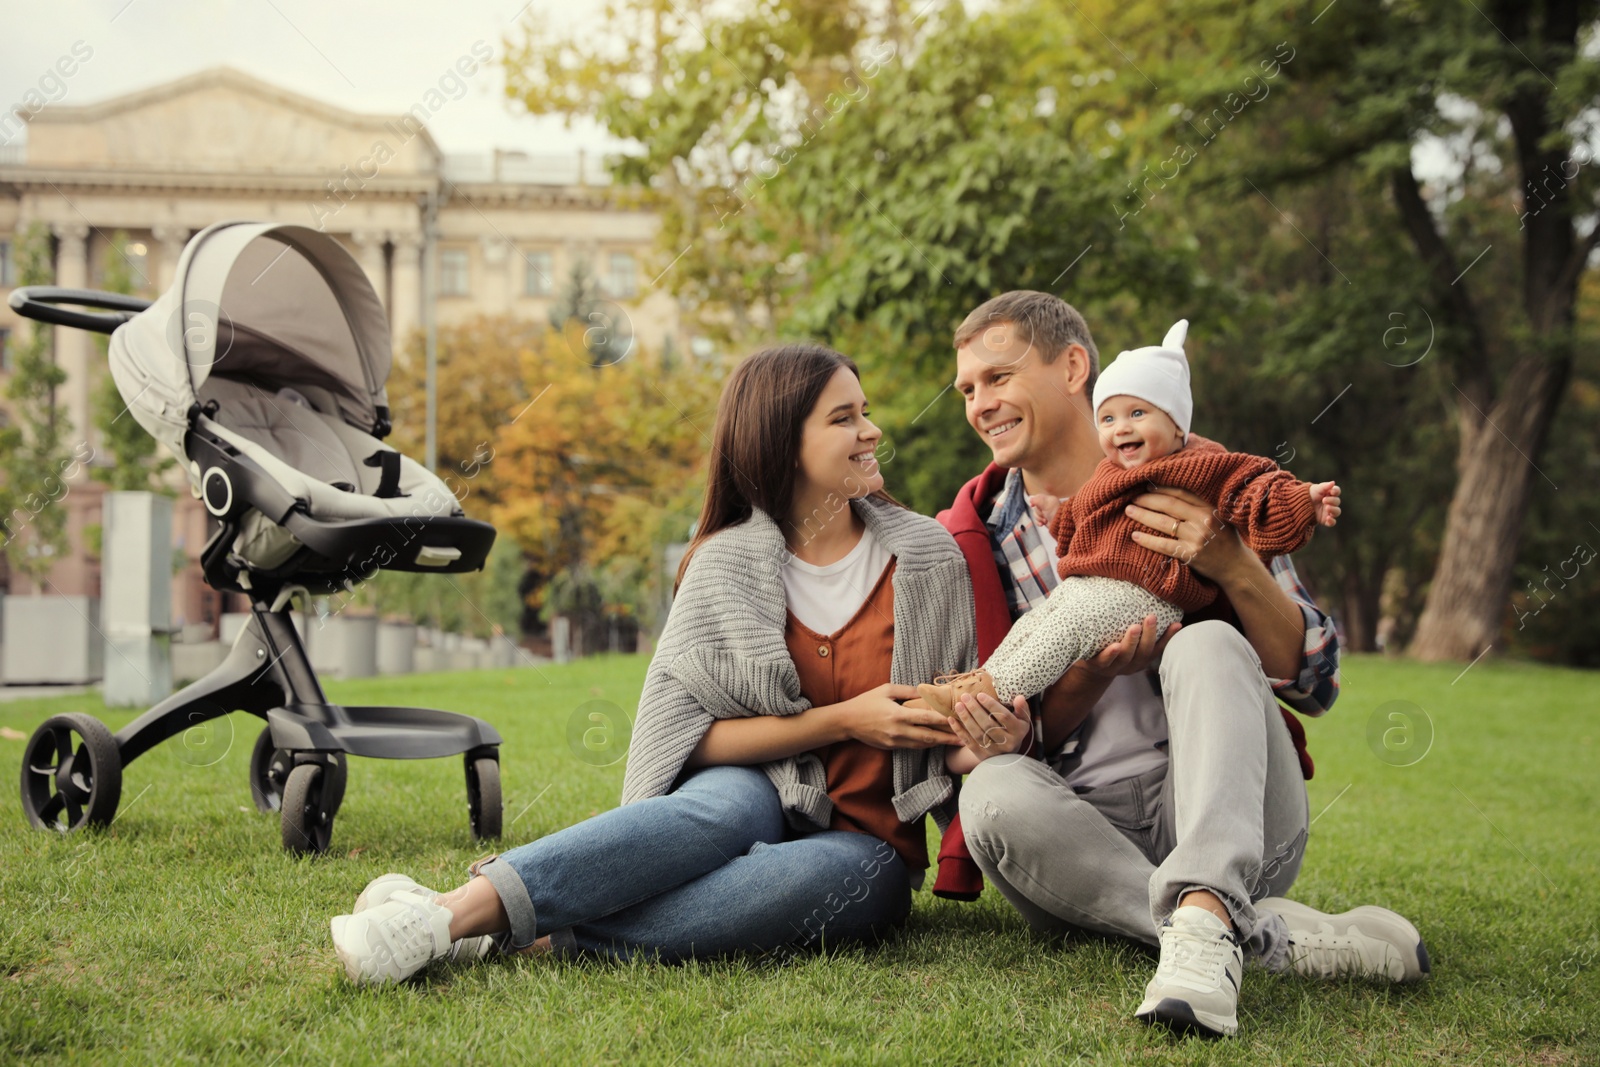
(1358, 619)
(1471, 586)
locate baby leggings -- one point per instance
(1082, 616)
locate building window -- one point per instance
(8, 272)
(453, 272)
(539, 278)
(621, 280)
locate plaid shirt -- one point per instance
(1027, 571)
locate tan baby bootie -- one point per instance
(942, 695)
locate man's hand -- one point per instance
(1325, 498)
(1135, 652)
(1188, 529)
(988, 728)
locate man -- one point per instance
(1172, 808)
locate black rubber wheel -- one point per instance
(269, 771)
(483, 796)
(307, 825)
(67, 787)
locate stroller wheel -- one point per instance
(307, 823)
(269, 773)
(483, 796)
(66, 788)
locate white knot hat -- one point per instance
(1158, 375)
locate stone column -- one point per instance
(406, 314)
(171, 239)
(74, 348)
(369, 253)
(496, 297)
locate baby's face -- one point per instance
(1134, 431)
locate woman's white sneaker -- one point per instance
(1196, 987)
(394, 940)
(1364, 942)
(381, 888)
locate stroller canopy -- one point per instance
(273, 305)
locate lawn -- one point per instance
(185, 934)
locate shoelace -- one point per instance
(1195, 960)
(1331, 955)
(410, 935)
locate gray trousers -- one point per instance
(1228, 813)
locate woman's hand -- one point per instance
(1188, 529)
(988, 728)
(877, 718)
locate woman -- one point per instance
(776, 788)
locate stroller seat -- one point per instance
(333, 470)
(263, 369)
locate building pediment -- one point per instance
(223, 120)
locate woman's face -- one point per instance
(839, 442)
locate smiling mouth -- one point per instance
(1004, 427)
(1130, 448)
(865, 457)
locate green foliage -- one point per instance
(36, 459)
(133, 452)
(867, 175)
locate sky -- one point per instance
(361, 55)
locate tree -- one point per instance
(1506, 92)
(584, 460)
(35, 457)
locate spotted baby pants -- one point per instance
(1081, 617)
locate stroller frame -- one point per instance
(298, 765)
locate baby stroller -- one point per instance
(263, 370)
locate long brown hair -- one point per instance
(755, 445)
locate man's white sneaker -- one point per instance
(1364, 942)
(381, 888)
(1196, 987)
(394, 940)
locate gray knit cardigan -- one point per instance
(723, 655)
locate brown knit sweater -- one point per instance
(1270, 508)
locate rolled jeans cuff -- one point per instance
(513, 897)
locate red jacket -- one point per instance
(958, 876)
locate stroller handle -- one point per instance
(42, 302)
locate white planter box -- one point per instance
(53, 640)
(397, 646)
(426, 660)
(191, 662)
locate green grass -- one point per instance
(184, 933)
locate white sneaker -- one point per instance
(1364, 942)
(1196, 987)
(381, 888)
(385, 886)
(394, 940)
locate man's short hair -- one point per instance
(1043, 320)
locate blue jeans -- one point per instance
(702, 871)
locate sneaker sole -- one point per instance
(1180, 1016)
(1418, 967)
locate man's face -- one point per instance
(1020, 405)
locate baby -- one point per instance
(1142, 410)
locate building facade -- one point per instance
(508, 230)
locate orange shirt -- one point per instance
(833, 668)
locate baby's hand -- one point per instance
(1044, 507)
(1325, 498)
